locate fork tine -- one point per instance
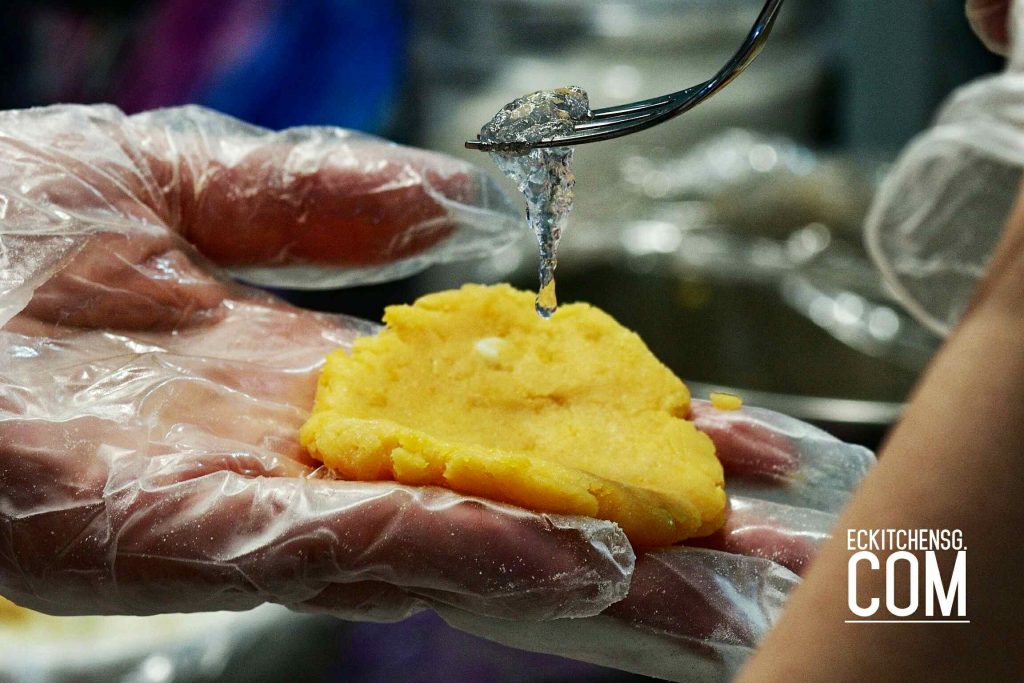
(601, 129)
(618, 119)
(589, 131)
(624, 122)
(631, 107)
(644, 105)
(604, 130)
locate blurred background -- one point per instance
(728, 238)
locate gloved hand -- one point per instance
(696, 613)
(935, 223)
(149, 407)
(147, 442)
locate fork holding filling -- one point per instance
(544, 175)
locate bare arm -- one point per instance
(956, 461)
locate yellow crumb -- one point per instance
(724, 401)
(471, 390)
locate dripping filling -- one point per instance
(544, 175)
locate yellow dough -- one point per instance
(720, 400)
(471, 390)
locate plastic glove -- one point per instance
(938, 215)
(697, 613)
(149, 408)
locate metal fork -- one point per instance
(614, 122)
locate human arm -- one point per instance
(938, 470)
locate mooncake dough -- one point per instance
(471, 390)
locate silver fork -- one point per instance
(614, 122)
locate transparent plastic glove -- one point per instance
(268, 206)
(696, 613)
(149, 409)
(941, 210)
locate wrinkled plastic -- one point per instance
(939, 213)
(153, 472)
(697, 613)
(809, 469)
(149, 409)
(400, 209)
